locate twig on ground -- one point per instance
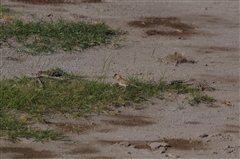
(38, 76)
(39, 81)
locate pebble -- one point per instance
(162, 150)
(229, 149)
(125, 143)
(156, 145)
(228, 118)
(172, 156)
(216, 135)
(203, 135)
(204, 8)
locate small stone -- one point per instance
(156, 145)
(215, 152)
(162, 150)
(172, 156)
(203, 135)
(229, 149)
(132, 146)
(229, 146)
(125, 143)
(216, 135)
(204, 8)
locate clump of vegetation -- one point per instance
(5, 14)
(198, 97)
(3, 10)
(48, 36)
(14, 128)
(73, 95)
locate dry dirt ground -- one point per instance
(206, 32)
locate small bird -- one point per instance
(123, 82)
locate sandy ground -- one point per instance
(206, 32)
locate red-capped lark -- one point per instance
(123, 82)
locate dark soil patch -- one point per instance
(17, 5)
(9, 58)
(164, 33)
(128, 120)
(100, 157)
(172, 22)
(232, 128)
(73, 128)
(45, 1)
(180, 144)
(231, 131)
(222, 48)
(86, 149)
(212, 20)
(22, 152)
(215, 49)
(222, 78)
(92, 1)
(183, 144)
(59, 10)
(111, 142)
(213, 106)
(77, 16)
(175, 24)
(193, 122)
(57, 1)
(138, 144)
(105, 130)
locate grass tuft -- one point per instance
(75, 96)
(14, 128)
(3, 10)
(199, 97)
(48, 36)
(5, 14)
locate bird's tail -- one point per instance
(134, 85)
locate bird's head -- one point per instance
(116, 76)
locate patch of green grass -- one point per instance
(199, 97)
(14, 128)
(5, 13)
(48, 36)
(75, 96)
(3, 10)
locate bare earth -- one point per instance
(206, 32)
